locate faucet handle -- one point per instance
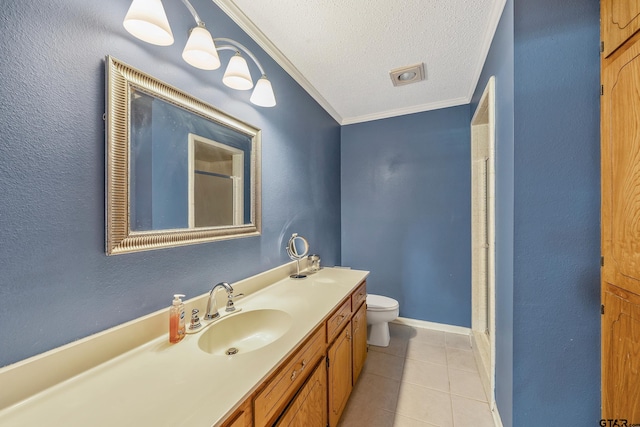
(230, 298)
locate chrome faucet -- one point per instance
(212, 308)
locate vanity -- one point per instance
(303, 374)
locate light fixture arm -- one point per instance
(189, 6)
(147, 21)
(235, 46)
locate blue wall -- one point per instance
(406, 212)
(556, 294)
(545, 59)
(57, 285)
(499, 63)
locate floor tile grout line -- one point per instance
(411, 418)
(470, 350)
(468, 398)
(428, 387)
(453, 419)
(426, 361)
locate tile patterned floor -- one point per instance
(424, 378)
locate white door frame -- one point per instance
(483, 323)
(237, 176)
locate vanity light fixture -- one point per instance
(237, 75)
(147, 21)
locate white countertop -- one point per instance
(164, 384)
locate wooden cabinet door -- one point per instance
(359, 325)
(621, 355)
(620, 151)
(620, 168)
(309, 407)
(620, 19)
(339, 374)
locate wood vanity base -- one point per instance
(312, 386)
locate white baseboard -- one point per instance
(432, 325)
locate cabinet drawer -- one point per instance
(240, 418)
(338, 320)
(359, 296)
(278, 390)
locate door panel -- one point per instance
(359, 324)
(339, 374)
(621, 355)
(621, 20)
(621, 170)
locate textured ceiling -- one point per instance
(341, 51)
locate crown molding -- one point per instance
(234, 12)
(492, 26)
(404, 111)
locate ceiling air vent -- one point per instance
(407, 75)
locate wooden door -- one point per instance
(621, 356)
(620, 216)
(359, 325)
(620, 20)
(309, 407)
(620, 151)
(339, 374)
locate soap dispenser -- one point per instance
(176, 319)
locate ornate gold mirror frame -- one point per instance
(121, 81)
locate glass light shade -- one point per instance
(262, 95)
(200, 50)
(237, 74)
(147, 21)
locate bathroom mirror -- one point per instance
(178, 171)
(297, 249)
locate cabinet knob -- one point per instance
(295, 373)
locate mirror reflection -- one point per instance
(182, 175)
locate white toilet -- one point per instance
(380, 311)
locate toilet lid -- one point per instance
(381, 303)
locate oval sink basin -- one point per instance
(244, 332)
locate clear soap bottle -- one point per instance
(176, 319)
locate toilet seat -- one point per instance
(381, 303)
